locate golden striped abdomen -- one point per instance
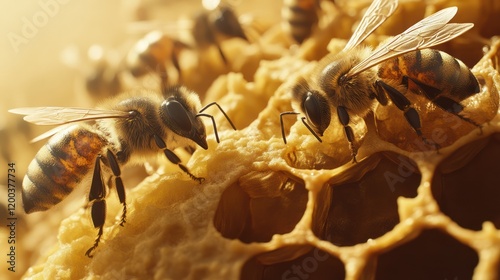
(59, 166)
(436, 69)
(300, 17)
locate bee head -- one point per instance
(317, 111)
(180, 117)
(314, 105)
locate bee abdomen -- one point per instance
(436, 69)
(58, 167)
(300, 17)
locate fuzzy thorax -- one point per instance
(352, 92)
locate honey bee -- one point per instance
(151, 53)
(102, 77)
(212, 26)
(353, 79)
(104, 139)
(300, 17)
(157, 48)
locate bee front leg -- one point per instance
(98, 208)
(120, 189)
(344, 120)
(403, 104)
(221, 53)
(173, 158)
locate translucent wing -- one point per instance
(430, 31)
(49, 133)
(64, 115)
(376, 14)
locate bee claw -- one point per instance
(199, 179)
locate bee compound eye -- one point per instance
(312, 109)
(176, 116)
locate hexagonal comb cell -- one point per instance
(466, 184)
(365, 207)
(260, 205)
(432, 255)
(293, 263)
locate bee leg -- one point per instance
(173, 158)
(98, 208)
(403, 104)
(443, 102)
(162, 73)
(454, 108)
(120, 189)
(177, 66)
(344, 120)
(221, 53)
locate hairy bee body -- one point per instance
(438, 74)
(300, 17)
(59, 166)
(353, 93)
(126, 129)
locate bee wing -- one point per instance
(430, 31)
(49, 133)
(376, 14)
(64, 115)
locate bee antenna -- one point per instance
(281, 123)
(213, 121)
(310, 129)
(224, 113)
(303, 121)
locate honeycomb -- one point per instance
(303, 210)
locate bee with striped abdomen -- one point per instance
(351, 81)
(300, 17)
(127, 130)
(151, 54)
(161, 46)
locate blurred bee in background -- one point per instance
(102, 140)
(353, 79)
(160, 46)
(215, 24)
(102, 78)
(300, 18)
(151, 53)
